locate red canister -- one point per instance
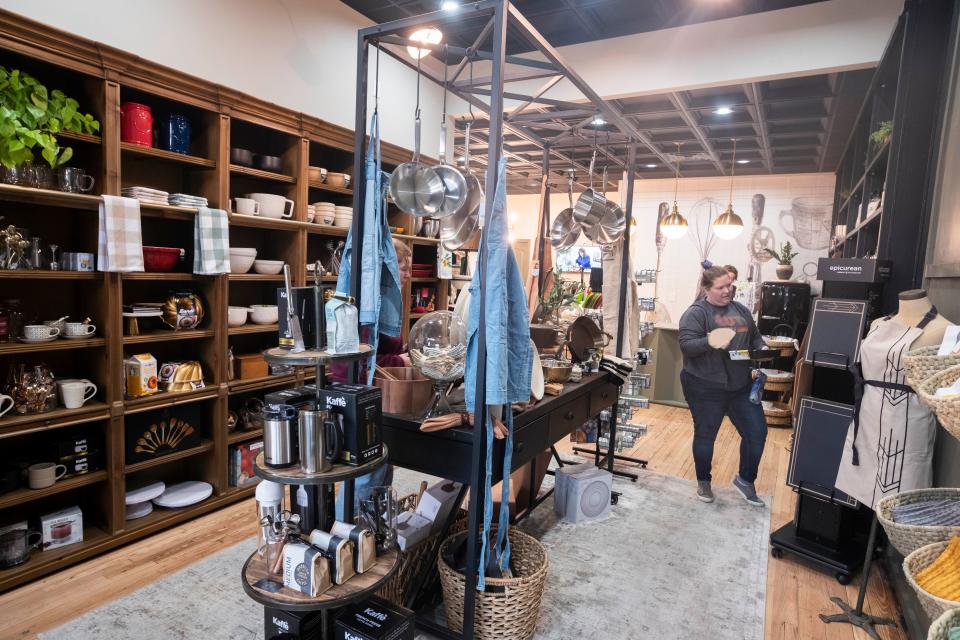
(136, 124)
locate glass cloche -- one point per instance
(438, 349)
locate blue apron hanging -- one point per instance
(508, 360)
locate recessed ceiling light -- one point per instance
(449, 5)
(598, 121)
(743, 162)
(428, 35)
(651, 166)
(723, 111)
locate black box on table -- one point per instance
(292, 625)
(306, 302)
(374, 619)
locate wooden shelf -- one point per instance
(255, 277)
(253, 328)
(168, 335)
(260, 222)
(170, 276)
(323, 186)
(416, 239)
(423, 280)
(76, 136)
(21, 496)
(13, 424)
(51, 559)
(463, 278)
(168, 211)
(167, 156)
(326, 229)
(60, 344)
(203, 447)
(166, 399)
(49, 197)
(417, 316)
(260, 174)
(243, 436)
(160, 517)
(256, 384)
(40, 274)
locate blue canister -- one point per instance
(175, 133)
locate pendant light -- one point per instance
(674, 225)
(728, 224)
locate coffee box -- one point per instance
(61, 528)
(81, 464)
(306, 302)
(306, 569)
(141, 375)
(292, 625)
(361, 408)
(412, 529)
(374, 619)
(436, 503)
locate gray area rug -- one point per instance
(662, 566)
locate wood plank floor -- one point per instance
(795, 592)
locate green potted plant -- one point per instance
(784, 259)
(30, 118)
(882, 134)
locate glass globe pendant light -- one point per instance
(728, 224)
(674, 225)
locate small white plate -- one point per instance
(145, 493)
(184, 494)
(85, 336)
(536, 379)
(37, 340)
(139, 510)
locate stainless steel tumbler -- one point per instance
(320, 440)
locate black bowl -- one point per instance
(241, 156)
(269, 163)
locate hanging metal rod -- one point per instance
(516, 76)
(460, 51)
(546, 86)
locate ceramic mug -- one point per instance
(79, 329)
(40, 332)
(272, 205)
(75, 392)
(245, 206)
(45, 474)
(8, 401)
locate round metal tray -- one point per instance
(311, 358)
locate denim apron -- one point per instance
(380, 300)
(508, 360)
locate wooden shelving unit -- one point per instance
(101, 79)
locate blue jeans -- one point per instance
(709, 405)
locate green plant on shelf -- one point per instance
(786, 254)
(30, 118)
(882, 135)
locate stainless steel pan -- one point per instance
(565, 231)
(458, 229)
(414, 187)
(454, 182)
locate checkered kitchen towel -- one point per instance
(211, 242)
(119, 245)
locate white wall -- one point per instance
(300, 54)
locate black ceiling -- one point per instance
(564, 22)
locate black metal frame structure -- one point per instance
(501, 15)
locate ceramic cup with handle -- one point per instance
(245, 206)
(79, 329)
(39, 332)
(272, 205)
(45, 474)
(6, 403)
(75, 392)
(809, 222)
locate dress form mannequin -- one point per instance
(914, 304)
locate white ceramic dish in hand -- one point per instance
(241, 259)
(184, 494)
(237, 316)
(268, 267)
(264, 314)
(536, 380)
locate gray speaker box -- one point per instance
(585, 495)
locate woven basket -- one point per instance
(924, 362)
(397, 588)
(940, 628)
(947, 409)
(907, 538)
(917, 562)
(511, 614)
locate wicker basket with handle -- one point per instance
(917, 562)
(940, 629)
(948, 408)
(907, 538)
(511, 612)
(924, 362)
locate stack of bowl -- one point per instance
(324, 212)
(241, 259)
(343, 216)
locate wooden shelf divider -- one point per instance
(203, 447)
(21, 496)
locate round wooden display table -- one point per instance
(295, 475)
(270, 592)
(311, 358)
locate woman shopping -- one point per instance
(715, 386)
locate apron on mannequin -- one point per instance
(889, 445)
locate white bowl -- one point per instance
(264, 313)
(244, 251)
(237, 316)
(241, 263)
(268, 267)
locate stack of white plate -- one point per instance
(324, 212)
(342, 216)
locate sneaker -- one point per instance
(748, 491)
(704, 492)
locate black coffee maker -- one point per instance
(784, 309)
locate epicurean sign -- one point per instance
(853, 269)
